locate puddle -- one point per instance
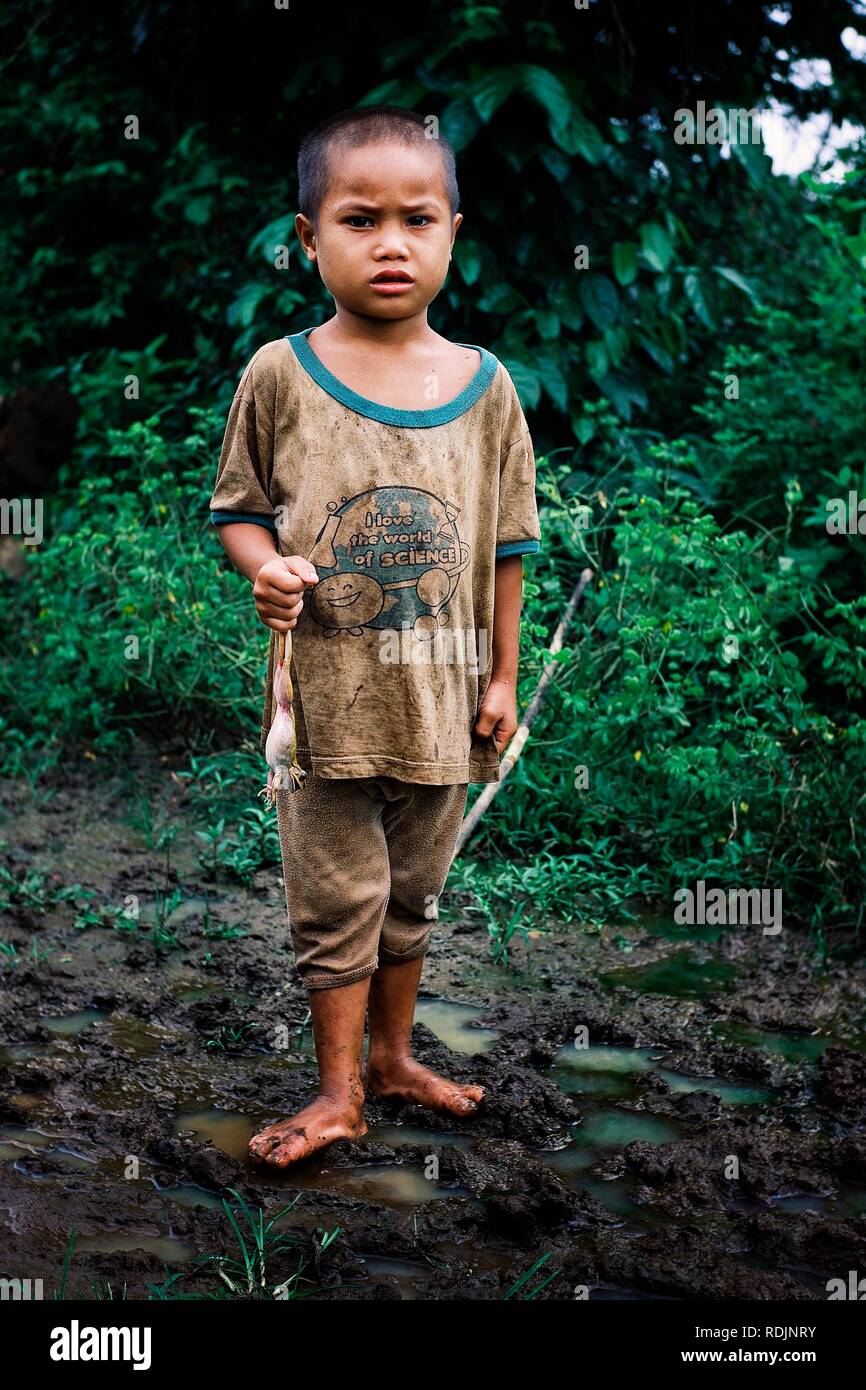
(226, 1130)
(609, 1059)
(679, 976)
(571, 1159)
(10, 1053)
(593, 1084)
(728, 1091)
(73, 1024)
(397, 1135)
(795, 1047)
(613, 1195)
(669, 930)
(600, 1070)
(70, 1158)
(452, 1024)
(610, 1071)
(139, 1038)
(27, 1100)
(26, 1138)
(402, 1272)
(189, 1195)
(395, 1184)
(11, 1153)
(616, 1128)
(846, 1204)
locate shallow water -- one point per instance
(395, 1135)
(616, 1128)
(727, 1091)
(793, 1046)
(452, 1023)
(73, 1024)
(678, 975)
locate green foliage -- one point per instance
(134, 639)
(713, 685)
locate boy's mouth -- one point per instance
(392, 281)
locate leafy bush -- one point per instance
(129, 618)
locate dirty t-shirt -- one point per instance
(404, 514)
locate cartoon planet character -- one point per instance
(387, 558)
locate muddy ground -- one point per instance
(708, 1142)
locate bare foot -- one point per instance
(411, 1080)
(312, 1128)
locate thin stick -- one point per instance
(518, 743)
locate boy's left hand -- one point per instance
(498, 713)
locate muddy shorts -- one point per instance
(364, 861)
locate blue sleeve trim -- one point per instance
(517, 548)
(221, 518)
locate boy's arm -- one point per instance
(517, 534)
(241, 506)
(498, 713)
(248, 546)
(278, 580)
(508, 594)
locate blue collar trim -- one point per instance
(388, 415)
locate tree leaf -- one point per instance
(659, 355)
(492, 89)
(695, 295)
(624, 392)
(600, 300)
(657, 245)
(739, 280)
(460, 123)
(625, 261)
(526, 381)
(549, 91)
(547, 323)
(597, 359)
(467, 255)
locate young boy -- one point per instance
(376, 486)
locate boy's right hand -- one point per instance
(278, 587)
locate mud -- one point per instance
(710, 1141)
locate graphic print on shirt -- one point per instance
(387, 558)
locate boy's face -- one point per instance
(385, 211)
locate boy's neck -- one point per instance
(350, 329)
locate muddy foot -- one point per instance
(312, 1128)
(410, 1080)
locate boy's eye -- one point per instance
(416, 219)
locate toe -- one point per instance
(260, 1144)
(289, 1150)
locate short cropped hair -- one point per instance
(364, 125)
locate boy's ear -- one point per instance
(306, 234)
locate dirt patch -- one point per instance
(665, 1116)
